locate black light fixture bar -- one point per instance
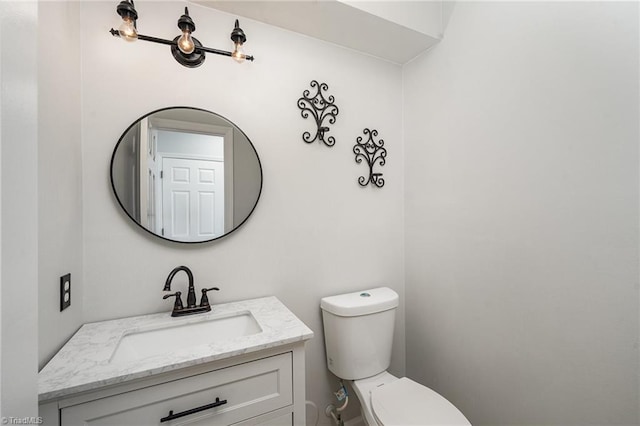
(192, 58)
(173, 43)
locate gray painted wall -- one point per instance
(59, 174)
(19, 212)
(521, 215)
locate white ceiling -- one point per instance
(384, 29)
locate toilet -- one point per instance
(358, 334)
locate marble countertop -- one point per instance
(83, 363)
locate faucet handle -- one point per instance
(204, 301)
(178, 305)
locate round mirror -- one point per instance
(186, 174)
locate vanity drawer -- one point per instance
(249, 390)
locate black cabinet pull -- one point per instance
(172, 416)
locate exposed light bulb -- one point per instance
(238, 53)
(185, 43)
(127, 30)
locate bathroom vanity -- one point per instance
(241, 364)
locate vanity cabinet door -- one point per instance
(287, 419)
(249, 390)
(271, 419)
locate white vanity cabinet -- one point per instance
(264, 389)
(131, 371)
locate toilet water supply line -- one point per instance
(341, 394)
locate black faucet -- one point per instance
(191, 308)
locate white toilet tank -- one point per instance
(358, 332)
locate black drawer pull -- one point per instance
(172, 416)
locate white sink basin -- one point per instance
(172, 336)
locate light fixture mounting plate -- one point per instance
(193, 59)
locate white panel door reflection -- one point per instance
(192, 199)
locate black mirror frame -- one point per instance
(113, 187)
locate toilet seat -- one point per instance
(405, 402)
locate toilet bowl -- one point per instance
(386, 400)
(358, 333)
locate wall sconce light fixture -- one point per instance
(320, 107)
(372, 152)
(186, 49)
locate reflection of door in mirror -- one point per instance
(209, 162)
(189, 180)
(192, 198)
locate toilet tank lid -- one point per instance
(360, 302)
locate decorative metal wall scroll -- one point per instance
(320, 108)
(372, 152)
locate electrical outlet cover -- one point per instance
(65, 292)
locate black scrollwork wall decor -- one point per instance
(372, 152)
(321, 108)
